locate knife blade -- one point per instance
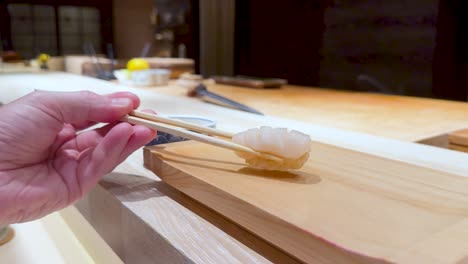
(202, 91)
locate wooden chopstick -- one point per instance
(178, 123)
(196, 136)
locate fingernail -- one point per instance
(119, 102)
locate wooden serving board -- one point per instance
(459, 137)
(342, 206)
(458, 147)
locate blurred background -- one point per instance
(415, 48)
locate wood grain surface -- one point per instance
(458, 147)
(397, 117)
(342, 206)
(187, 229)
(459, 137)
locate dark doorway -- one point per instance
(280, 39)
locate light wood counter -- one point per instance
(397, 117)
(134, 211)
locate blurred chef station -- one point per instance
(385, 47)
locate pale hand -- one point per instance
(45, 165)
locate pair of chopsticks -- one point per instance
(179, 128)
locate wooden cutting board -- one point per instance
(458, 147)
(458, 140)
(459, 137)
(342, 206)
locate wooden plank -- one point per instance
(458, 147)
(343, 206)
(127, 211)
(396, 117)
(459, 137)
(176, 218)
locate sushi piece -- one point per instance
(292, 146)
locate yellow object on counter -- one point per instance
(137, 64)
(43, 58)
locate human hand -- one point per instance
(45, 164)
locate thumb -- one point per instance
(78, 108)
